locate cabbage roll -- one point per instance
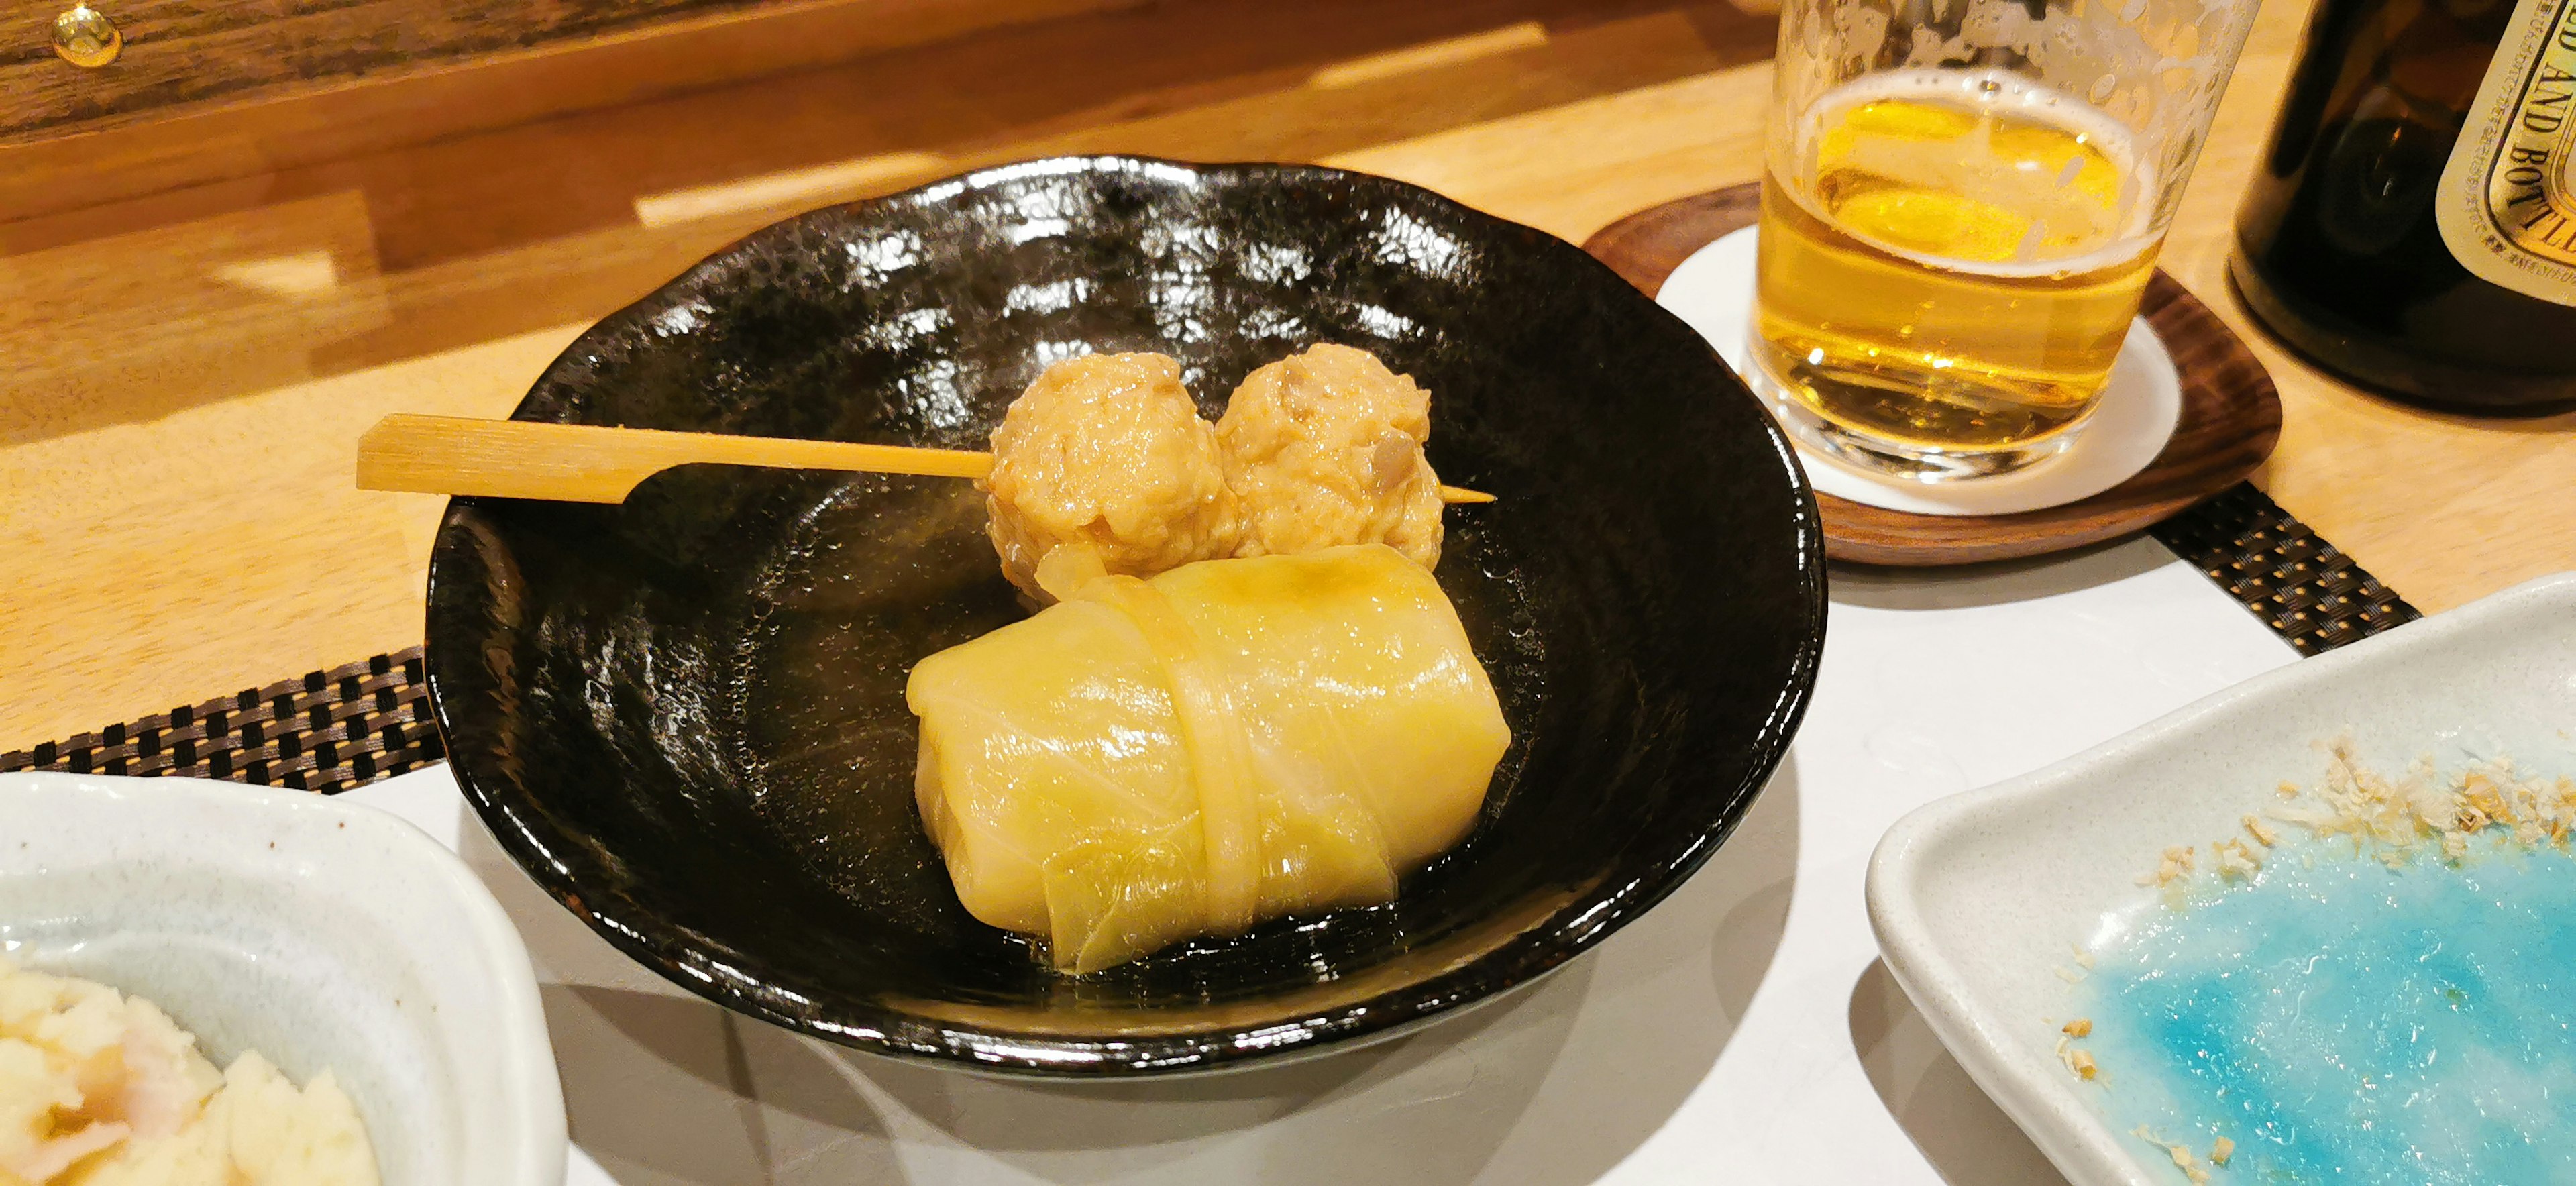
(1228, 742)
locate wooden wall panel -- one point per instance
(213, 89)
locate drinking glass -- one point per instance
(1961, 205)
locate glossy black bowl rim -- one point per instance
(1572, 929)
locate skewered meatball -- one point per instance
(1108, 450)
(1325, 448)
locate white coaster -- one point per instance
(1713, 291)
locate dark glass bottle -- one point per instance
(2337, 246)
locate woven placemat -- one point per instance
(333, 730)
(2302, 587)
(329, 731)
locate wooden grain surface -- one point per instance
(213, 92)
(2231, 417)
(190, 371)
(188, 52)
(200, 53)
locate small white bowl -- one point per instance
(319, 933)
(1979, 898)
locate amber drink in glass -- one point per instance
(1961, 207)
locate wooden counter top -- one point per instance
(188, 371)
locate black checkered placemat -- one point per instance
(2302, 587)
(329, 731)
(333, 730)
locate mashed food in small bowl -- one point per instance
(102, 1089)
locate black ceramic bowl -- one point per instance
(684, 716)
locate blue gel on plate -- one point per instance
(2345, 1022)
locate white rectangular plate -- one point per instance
(1978, 898)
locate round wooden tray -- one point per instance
(2231, 417)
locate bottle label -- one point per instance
(2506, 206)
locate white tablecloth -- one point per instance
(1742, 1031)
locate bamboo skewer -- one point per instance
(588, 463)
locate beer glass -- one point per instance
(1961, 205)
